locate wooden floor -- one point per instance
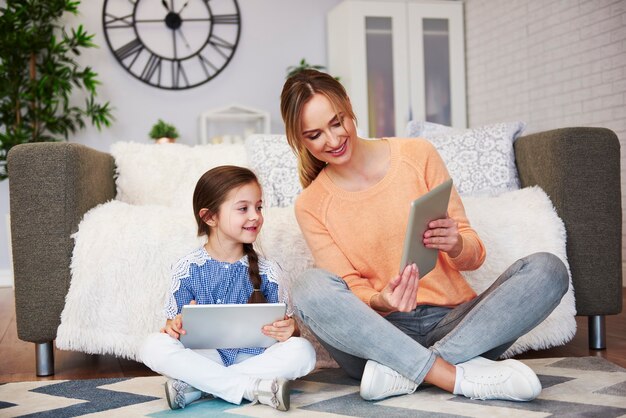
(17, 358)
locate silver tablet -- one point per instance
(433, 205)
(229, 325)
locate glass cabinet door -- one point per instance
(399, 60)
(437, 94)
(367, 50)
(380, 94)
(437, 58)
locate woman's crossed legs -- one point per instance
(523, 296)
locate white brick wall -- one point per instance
(549, 63)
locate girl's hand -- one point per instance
(174, 327)
(280, 330)
(400, 294)
(443, 234)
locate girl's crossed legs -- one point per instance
(204, 370)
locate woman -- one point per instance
(393, 330)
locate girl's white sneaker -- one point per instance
(272, 392)
(179, 393)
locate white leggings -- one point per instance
(204, 370)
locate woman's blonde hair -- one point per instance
(297, 91)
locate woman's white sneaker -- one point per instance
(509, 380)
(380, 382)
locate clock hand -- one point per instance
(174, 42)
(184, 39)
(184, 5)
(165, 5)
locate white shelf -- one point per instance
(232, 124)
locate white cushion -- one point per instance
(123, 253)
(166, 174)
(511, 226)
(481, 160)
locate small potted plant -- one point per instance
(304, 65)
(163, 132)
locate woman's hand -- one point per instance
(174, 327)
(443, 234)
(280, 330)
(400, 294)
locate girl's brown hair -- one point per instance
(210, 192)
(297, 91)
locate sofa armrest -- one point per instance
(51, 186)
(579, 168)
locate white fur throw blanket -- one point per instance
(123, 252)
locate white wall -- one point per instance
(550, 63)
(275, 34)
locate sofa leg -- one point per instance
(44, 357)
(597, 332)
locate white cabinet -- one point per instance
(399, 60)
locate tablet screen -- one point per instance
(229, 325)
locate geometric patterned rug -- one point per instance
(572, 387)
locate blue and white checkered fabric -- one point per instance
(199, 277)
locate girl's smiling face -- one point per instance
(240, 219)
(328, 136)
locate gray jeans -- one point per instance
(408, 342)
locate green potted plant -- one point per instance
(304, 65)
(39, 75)
(163, 132)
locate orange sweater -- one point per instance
(359, 235)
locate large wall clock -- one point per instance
(172, 44)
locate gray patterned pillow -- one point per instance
(271, 158)
(426, 129)
(481, 160)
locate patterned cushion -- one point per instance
(480, 160)
(426, 129)
(276, 166)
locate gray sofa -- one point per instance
(52, 185)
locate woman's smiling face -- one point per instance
(328, 137)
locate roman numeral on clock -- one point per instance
(222, 46)
(153, 64)
(177, 72)
(115, 22)
(133, 47)
(230, 19)
(205, 64)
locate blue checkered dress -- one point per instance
(199, 277)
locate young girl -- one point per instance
(227, 204)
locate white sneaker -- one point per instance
(509, 380)
(480, 361)
(380, 382)
(179, 393)
(273, 392)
